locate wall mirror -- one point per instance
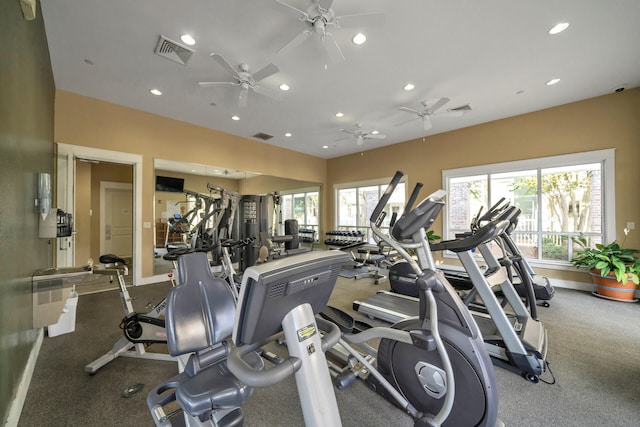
(191, 199)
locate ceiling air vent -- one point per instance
(262, 136)
(462, 108)
(173, 51)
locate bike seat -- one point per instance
(112, 259)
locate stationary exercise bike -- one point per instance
(140, 330)
(435, 367)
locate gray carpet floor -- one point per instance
(594, 353)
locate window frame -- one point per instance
(380, 182)
(305, 191)
(605, 157)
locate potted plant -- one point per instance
(613, 268)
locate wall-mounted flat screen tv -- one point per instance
(168, 184)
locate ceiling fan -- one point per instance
(430, 109)
(360, 135)
(245, 80)
(319, 17)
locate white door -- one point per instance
(116, 219)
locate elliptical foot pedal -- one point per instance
(359, 326)
(341, 319)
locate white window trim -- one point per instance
(606, 157)
(305, 191)
(358, 184)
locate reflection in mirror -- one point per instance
(198, 206)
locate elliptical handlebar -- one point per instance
(413, 197)
(268, 377)
(491, 213)
(386, 196)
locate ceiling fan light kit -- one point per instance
(319, 17)
(361, 135)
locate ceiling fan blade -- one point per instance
(242, 98)
(325, 4)
(361, 20)
(266, 71)
(375, 136)
(409, 110)
(333, 50)
(347, 131)
(224, 63)
(209, 84)
(360, 140)
(406, 121)
(439, 103)
(304, 14)
(294, 42)
(451, 113)
(269, 93)
(343, 139)
(426, 122)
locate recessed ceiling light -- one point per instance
(374, 132)
(409, 86)
(193, 170)
(284, 86)
(359, 38)
(235, 118)
(288, 134)
(325, 146)
(339, 114)
(552, 82)
(558, 28)
(155, 92)
(187, 39)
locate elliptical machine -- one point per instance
(434, 367)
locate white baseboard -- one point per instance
(15, 408)
(581, 286)
(571, 284)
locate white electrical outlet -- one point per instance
(631, 225)
(146, 224)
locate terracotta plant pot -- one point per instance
(609, 288)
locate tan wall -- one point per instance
(605, 122)
(268, 184)
(82, 220)
(108, 172)
(610, 121)
(92, 123)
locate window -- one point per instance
(559, 197)
(355, 204)
(303, 206)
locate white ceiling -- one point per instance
(494, 55)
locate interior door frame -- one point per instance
(73, 152)
(104, 186)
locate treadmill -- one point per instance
(515, 341)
